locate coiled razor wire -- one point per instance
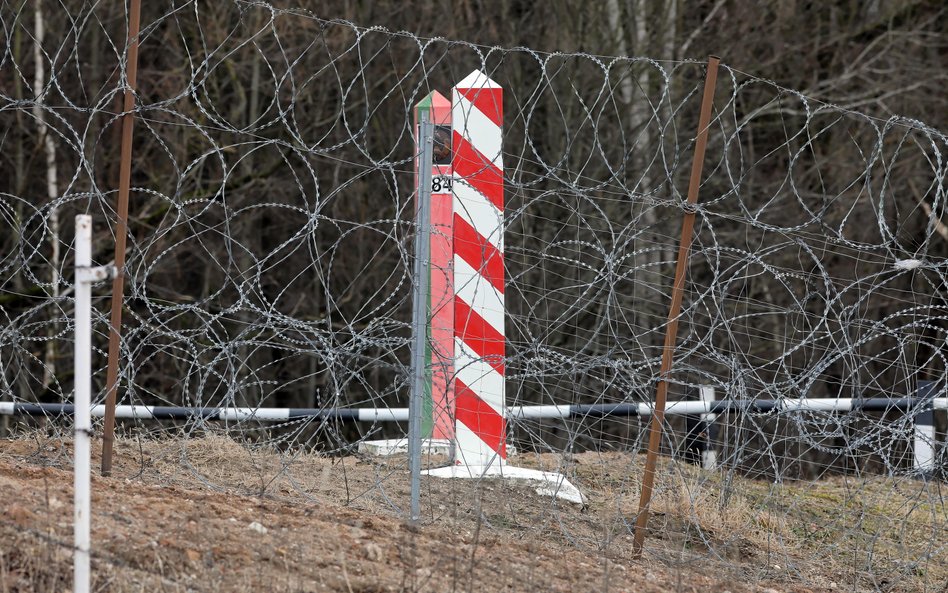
(269, 260)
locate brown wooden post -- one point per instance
(121, 232)
(674, 310)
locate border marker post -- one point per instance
(480, 430)
(439, 352)
(478, 187)
(437, 414)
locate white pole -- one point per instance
(709, 456)
(923, 441)
(923, 450)
(83, 386)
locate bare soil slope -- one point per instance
(213, 515)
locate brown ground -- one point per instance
(191, 517)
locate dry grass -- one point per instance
(872, 532)
(175, 516)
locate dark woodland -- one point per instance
(270, 228)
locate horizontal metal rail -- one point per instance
(681, 407)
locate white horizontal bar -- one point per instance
(240, 414)
(383, 415)
(680, 407)
(821, 405)
(143, 412)
(540, 411)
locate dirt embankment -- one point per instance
(211, 515)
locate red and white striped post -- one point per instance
(480, 429)
(478, 187)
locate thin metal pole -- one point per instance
(678, 289)
(121, 231)
(83, 386)
(420, 309)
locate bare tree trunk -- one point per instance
(52, 191)
(645, 132)
(19, 182)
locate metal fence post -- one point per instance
(701, 433)
(83, 386)
(121, 234)
(923, 441)
(674, 309)
(420, 309)
(82, 400)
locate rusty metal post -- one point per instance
(121, 232)
(674, 310)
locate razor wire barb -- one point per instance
(271, 225)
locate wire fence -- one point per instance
(270, 266)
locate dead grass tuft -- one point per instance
(176, 515)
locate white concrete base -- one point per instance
(388, 447)
(552, 484)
